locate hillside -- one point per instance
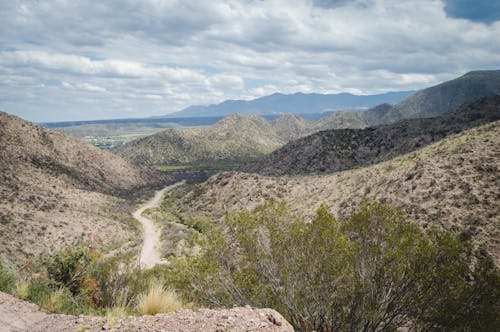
(336, 150)
(297, 103)
(442, 98)
(453, 184)
(55, 190)
(234, 139)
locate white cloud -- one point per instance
(153, 57)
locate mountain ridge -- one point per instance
(339, 149)
(296, 103)
(442, 98)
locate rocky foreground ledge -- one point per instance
(17, 315)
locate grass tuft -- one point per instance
(22, 290)
(158, 299)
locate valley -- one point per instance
(228, 228)
(250, 166)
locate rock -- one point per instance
(18, 315)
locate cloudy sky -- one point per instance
(73, 60)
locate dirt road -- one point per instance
(150, 255)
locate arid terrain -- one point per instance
(56, 190)
(337, 150)
(451, 184)
(245, 165)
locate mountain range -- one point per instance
(232, 141)
(297, 103)
(239, 138)
(339, 149)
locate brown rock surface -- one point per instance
(17, 315)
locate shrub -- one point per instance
(69, 267)
(8, 279)
(158, 299)
(119, 281)
(372, 271)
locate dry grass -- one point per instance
(158, 299)
(117, 312)
(22, 289)
(56, 301)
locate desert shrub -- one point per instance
(373, 271)
(79, 280)
(119, 281)
(8, 279)
(158, 299)
(69, 267)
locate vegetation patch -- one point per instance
(371, 271)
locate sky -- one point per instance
(64, 60)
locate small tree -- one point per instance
(373, 271)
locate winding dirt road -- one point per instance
(150, 254)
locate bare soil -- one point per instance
(150, 254)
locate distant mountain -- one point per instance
(298, 103)
(433, 101)
(55, 190)
(439, 99)
(336, 150)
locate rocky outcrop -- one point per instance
(17, 315)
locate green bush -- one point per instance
(79, 280)
(69, 267)
(373, 271)
(8, 279)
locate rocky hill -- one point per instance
(445, 97)
(453, 184)
(336, 150)
(55, 190)
(431, 102)
(237, 139)
(234, 139)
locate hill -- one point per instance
(298, 103)
(442, 98)
(231, 141)
(336, 150)
(55, 190)
(453, 184)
